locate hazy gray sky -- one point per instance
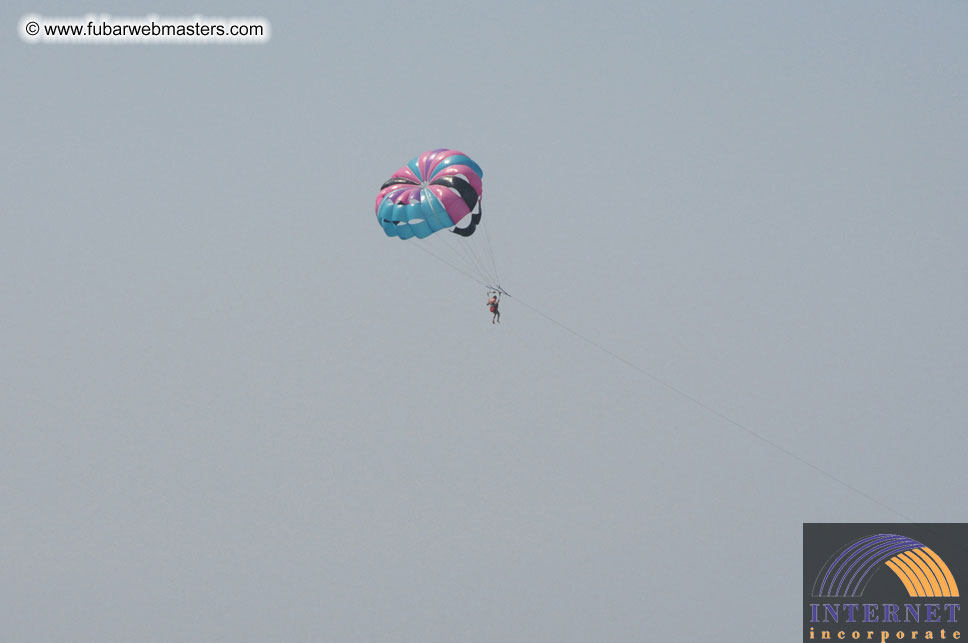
(232, 409)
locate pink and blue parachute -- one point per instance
(437, 190)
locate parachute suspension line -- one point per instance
(490, 252)
(462, 251)
(476, 245)
(719, 414)
(472, 253)
(451, 264)
(485, 259)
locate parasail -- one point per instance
(438, 193)
(437, 190)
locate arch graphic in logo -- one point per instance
(922, 571)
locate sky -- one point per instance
(232, 409)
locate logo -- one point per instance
(877, 582)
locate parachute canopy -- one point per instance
(437, 190)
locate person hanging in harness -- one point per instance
(492, 304)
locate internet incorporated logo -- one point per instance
(882, 586)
